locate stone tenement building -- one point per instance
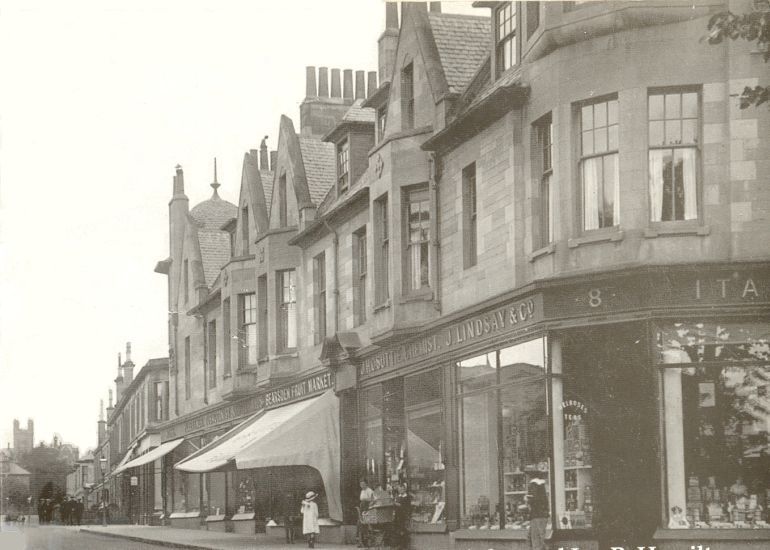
(424, 284)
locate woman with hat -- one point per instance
(309, 513)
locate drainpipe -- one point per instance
(336, 276)
(433, 177)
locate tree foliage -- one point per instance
(752, 27)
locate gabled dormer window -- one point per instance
(343, 166)
(382, 116)
(505, 37)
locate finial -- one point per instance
(215, 184)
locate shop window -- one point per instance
(599, 164)
(717, 416)
(286, 287)
(504, 426)
(470, 237)
(319, 297)
(505, 37)
(416, 216)
(673, 155)
(371, 414)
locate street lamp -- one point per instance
(103, 468)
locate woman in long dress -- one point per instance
(309, 513)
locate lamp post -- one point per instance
(103, 468)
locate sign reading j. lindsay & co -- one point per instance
(295, 391)
(505, 319)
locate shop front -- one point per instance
(636, 398)
(249, 474)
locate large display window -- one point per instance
(716, 378)
(504, 435)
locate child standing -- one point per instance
(309, 513)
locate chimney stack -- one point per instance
(360, 85)
(310, 85)
(263, 157)
(323, 82)
(101, 426)
(386, 45)
(179, 181)
(435, 7)
(347, 84)
(128, 367)
(109, 394)
(371, 85)
(119, 379)
(273, 159)
(336, 83)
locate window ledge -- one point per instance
(215, 517)
(422, 295)
(602, 237)
(284, 355)
(700, 231)
(243, 516)
(383, 305)
(540, 252)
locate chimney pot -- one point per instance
(347, 84)
(435, 7)
(371, 85)
(273, 159)
(360, 85)
(310, 85)
(263, 158)
(323, 82)
(391, 15)
(336, 83)
(128, 352)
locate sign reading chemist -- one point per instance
(502, 320)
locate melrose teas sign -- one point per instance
(499, 321)
(289, 393)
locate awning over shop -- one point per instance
(154, 454)
(301, 434)
(119, 468)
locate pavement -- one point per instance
(194, 539)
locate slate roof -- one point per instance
(215, 252)
(318, 158)
(356, 113)
(13, 469)
(267, 186)
(463, 44)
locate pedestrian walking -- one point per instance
(290, 518)
(78, 508)
(309, 513)
(403, 514)
(365, 499)
(538, 513)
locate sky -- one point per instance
(99, 101)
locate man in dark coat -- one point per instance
(78, 511)
(538, 513)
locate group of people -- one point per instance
(396, 533)
(70, 511)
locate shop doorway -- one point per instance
(609, 367)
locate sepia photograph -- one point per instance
(459, 275)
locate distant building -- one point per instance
(23, 439)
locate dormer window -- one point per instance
(343, 166)
(382, 115)
(407, 97)
(505, 37)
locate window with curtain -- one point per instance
(716, 380)
(505, 37)
(360, 268)
(287, 310)
(417, 232)
(599, 164)
(673, 155)
(247, 329)
(382, 257)
(343, 166)
(543, 155)
(504, 434)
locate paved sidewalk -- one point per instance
(195, 539)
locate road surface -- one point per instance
(63, 538)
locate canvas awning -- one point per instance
(301, 434)
(154, 454)
(119, 468)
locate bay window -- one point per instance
(287, 310)
(673, 155)
(416, 217)
(599, 164)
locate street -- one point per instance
(62, 538)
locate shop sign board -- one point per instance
(221, 414)
(670, 289)
(502, 320)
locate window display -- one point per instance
(371, 407)
(504, 424)
(717, 406)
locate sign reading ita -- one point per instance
(502, 320)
